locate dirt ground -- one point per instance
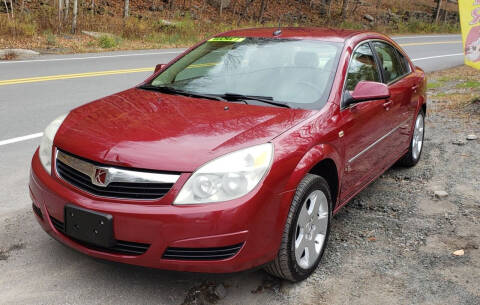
(393, 244)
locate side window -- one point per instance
(362, 67)
(391, 65)
(404, 62)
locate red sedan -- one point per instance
(234, 155)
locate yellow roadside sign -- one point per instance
(470, 22)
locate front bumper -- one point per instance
(255, 221)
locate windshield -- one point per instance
(295, 72)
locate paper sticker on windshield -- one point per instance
(226, 39)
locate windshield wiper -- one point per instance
(167, 89)
(264, 99)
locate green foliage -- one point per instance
(108, 41)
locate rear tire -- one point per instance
(306, 231)
(414, 153)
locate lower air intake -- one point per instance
(37, 211)
(197, 254)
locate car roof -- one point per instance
(328, 34)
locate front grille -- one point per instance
(37, 211)
(121, 246)
(208, 254)
(128, 190)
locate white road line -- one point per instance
(89, 57)
(439, 56)
(37, 135)
(20, 139)
(422, 37)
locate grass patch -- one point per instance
(440, 95)
(108, 41)
(51, 39)
(434, 85)
(420, 26)
(469, 84)
(17, 27)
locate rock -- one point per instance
(471, 137)
(368, 17)
(440, 194)
(220, 291)
(18, 53)
(96, 34)
(460, 252)
(458, 142)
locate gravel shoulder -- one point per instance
(393, 244)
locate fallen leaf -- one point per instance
(372, 238)
(459, 252)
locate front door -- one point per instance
(365, 125)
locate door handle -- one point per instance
(387, 104)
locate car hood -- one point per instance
(150, 130)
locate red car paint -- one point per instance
(131, 129)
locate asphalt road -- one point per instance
(32, 93)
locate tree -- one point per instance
(60, 10)
(74, 17)
(263, 6)
(125, 9)
(437, 10)
(65, 10)
(344, 9)
(6, 8)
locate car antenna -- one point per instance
(278, 31)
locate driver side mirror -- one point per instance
(159, 67)
(366, 91)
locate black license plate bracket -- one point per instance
(89, 226)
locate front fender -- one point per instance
(315, 155)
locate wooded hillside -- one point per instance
(154, 23)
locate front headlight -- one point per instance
(227, 177)
(45, 151)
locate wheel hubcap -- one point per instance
(417, 141)
(311, 229)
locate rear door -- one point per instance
(401, 83)
(364, 126)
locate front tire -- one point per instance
(412, 157)
(306, 231)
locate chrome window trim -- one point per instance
(377, 141)
(114, 174)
